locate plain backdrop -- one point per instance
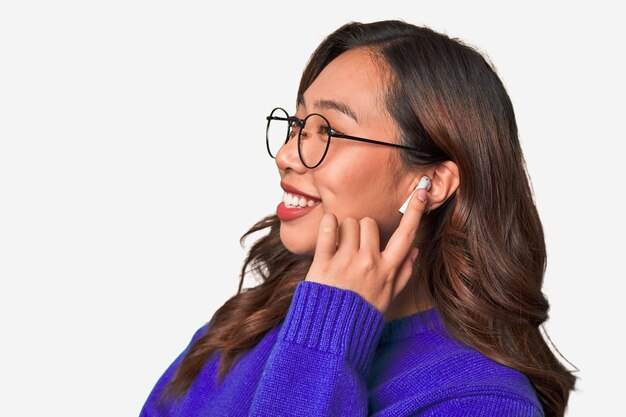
(132, 159)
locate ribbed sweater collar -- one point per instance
(415, 324)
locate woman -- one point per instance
(348, 320)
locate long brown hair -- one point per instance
(484, 254)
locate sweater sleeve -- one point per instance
(321, 357)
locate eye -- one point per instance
(330, 131)
(294, 127)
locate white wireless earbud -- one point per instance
(424, 183)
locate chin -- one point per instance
(298, 245)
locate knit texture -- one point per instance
(334, 355)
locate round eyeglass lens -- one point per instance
(277, 131)
(314, 140)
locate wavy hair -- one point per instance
(483, 256)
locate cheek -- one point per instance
(364, 192)
(365, 187)
(351, 184)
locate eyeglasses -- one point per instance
(314, 133)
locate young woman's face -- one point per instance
(355, 179)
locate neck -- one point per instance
(412, 299)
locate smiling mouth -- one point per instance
(292, 200)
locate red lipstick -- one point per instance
(285, 213)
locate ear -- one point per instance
(444, 181)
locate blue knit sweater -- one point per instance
(334, 355)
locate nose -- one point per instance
(288, 158)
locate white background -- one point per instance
(132, 159)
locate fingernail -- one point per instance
(423, 184)
(422, 195)
(414, 255)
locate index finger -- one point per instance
(402, 239)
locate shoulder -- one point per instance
(441, 376)
(199, 333)
(460, 364)
(471, 373)
(155, 405)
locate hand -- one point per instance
(357, 263)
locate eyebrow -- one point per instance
(332, 105)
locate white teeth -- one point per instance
(292, 200)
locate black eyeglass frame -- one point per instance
(331, 133)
